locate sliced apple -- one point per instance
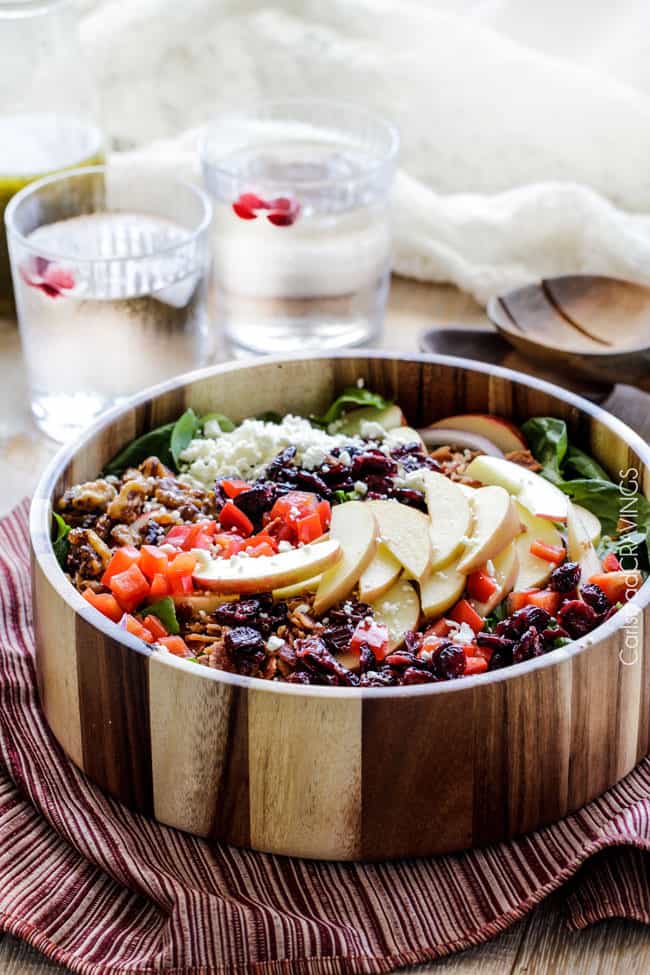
(580, 548)
(537, 494)
(504, 434)
(405, 532)
(353, 528)
(450, 515)
(505, 568)
(590, 522)
(439, 590)
(388, 418)
(242, 574)
(296, 589)
(206, 602)
(398, 610)
(405, 436)
(380, 574)
(495, 523)
(532, 570)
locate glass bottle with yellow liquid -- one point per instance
(48, 105)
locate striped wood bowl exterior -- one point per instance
(328, 772)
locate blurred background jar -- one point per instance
(48, 104)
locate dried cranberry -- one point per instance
(244, 639)
(528, 646)
(337, 638)
(313, 653)
(351, 612)
(595, 597)
(417, 675)
(308, 481)
(372, 462)
(412, 641)
(565, 578)
(237, 613)
(379, 485)
(333, 473)
(494, 642)
(448, 661)
(551, 634)
(516, 625)
(299, 677)
(153, 533)
(414, 499)
(278, 466)
(500, 659)
(577, 618)
(367, 660)
(403, 658)
(257, 501)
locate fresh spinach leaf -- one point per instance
(165, 610)
(629, 549)
(352, 396)
(155, 443)
(498, 613)
(184, 431)
(548, 441)
(342, 496)
(269, 416)
(225, 423)
(579, 464)
(60, 543)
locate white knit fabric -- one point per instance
(525, 126)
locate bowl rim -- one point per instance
(43, 553)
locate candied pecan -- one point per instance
(337, 638)
(565, 578)
(129, 503)
(524, 458)
(91, 496)
(299, 677)
(88, 555)
(153, 467)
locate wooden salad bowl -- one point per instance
(342, 773)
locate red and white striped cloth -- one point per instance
(106, 891)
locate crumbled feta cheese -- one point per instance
(360, 488)
(274, 643)
(461, 633)
(361, 382)
(370, 430)
(345, 458)
(303, 608)
(245, 451)
(284, 546)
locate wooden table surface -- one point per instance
(541, 942)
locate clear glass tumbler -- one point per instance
(110, 274)
(48, 104)
(301, 240)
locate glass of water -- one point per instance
(110, 274)
(301, 240)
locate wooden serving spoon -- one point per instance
(593, 327)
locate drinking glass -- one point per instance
(48, 104)
(302, 238)
(110, 274)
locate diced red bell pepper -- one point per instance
(262, 548)
(179, 573)
(155, 627)
(197, 535)
(294, 505)
(182, 586)
(175, 645)
(178, 536)
(618, 586)
(231, 517)
(130, 588)
(121, 560)
(159, 586)
(309, 528)
(105, 603)
(325, 514)
(516, 600)
(228, 544)
(611, 563)
(549, 553)
(464, 612)
(474, 651)
(374, 634)
(233, 487)
(546, 599)
(441, 628)
(480, 586)
(135, 627)
(153, 561)
(475, 665)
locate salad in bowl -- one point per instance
(350, 549)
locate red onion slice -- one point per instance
(439, 436)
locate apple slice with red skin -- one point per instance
(267, 572)
(503, 434)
